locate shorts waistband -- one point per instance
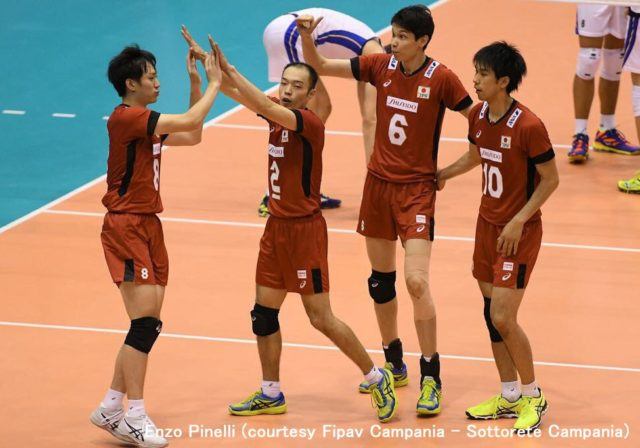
(307, 218)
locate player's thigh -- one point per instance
(635, 79)
(141, 300)
(590, 42)
(382, 254)
(486, 288)
(417, 257)
(611, 42)
(317, 305)
(505, 303)
(270, 297)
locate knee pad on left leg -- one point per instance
(382, 286)
(494, 335)
(264, 320)
(143, 333)
(612, 64)
(588, 61)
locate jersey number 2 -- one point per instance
(275, 173)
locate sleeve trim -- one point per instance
(544, 157)
(152, 122)
(299, 121)
(463, 104)
(355, 67)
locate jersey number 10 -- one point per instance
(492, 180)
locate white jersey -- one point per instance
(337, 36)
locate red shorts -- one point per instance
(505, 272)
(134, 249)
(293, 255)
(389, 210)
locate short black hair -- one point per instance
(417, 19)
(503, 59)
(313, 74)
(130, 63)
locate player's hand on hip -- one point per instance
(197, 50)
(307, 24)
(508, 240)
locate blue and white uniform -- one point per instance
(632, 43)
(600, 20)
(337, 36)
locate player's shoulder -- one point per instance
(478, 111)
(310, 118)
(523, 118)
(436, 69)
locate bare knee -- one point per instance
(504, 322)
(320, 321)
(417, 285)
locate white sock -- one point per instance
(607, 122)
(136, 408)
(374, 376)
(581, 126)
(426, 358)
(112, 400)
(271, 388)
(511, 390)
(531, 390)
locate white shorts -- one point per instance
(600, 20)
(338, 36)
(632, 45)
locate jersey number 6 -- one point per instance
(397, 136)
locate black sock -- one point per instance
(393, 354)
(431, 368)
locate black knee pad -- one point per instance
(494, 335)
(264, 320)
(143, 333)
(382, 286)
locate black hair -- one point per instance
(417, 19)
(313, 74)
(504, 60)
(130, 63)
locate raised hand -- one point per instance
(215, 48)
(212, 68)
(307, 24)
(197, 50)
(192, 69)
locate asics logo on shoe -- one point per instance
(137, 433)
(506, 277)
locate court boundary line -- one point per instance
(10, 324)
(336, 230)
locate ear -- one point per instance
(504, 82)
(423, 41)
(311, 93)
(131, 84)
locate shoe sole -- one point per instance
(425, 412)
(136, 442)
(602, 148)
(109, 430)
(536, 426)
(624, 190)
(578, 159)
(396, 384)
(269, 411)
(489, 417)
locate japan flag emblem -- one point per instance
(505, 142)
(424, 92)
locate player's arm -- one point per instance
(324, 66)
(194, 117)
(320, 104)
(193, 137)
(465, 112)
(512, 232)
(252, 97)
(466, 162)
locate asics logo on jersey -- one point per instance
(420, 229)
(303, 284)
(386, 83)
(506, 277)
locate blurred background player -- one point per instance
(518, 175)
(413, 93)
(293, 248)
(601, 30)
(132, 236)
(632, 64)
(338, 36)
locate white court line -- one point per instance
(334, 230)
(62, 115)
(248, 127)
(306, 346)
(14, 112)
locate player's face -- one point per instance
(294, 88)
(486, 84)
(147, 88)
(404, 45)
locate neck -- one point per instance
(414, 63)
(130, 100)
(499, 105)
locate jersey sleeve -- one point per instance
(140, 122)
(308, 124)
(472, 120)
(369, 68)
(455, 96)
(537, 143)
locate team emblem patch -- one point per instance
(505, 142)
(507, 266)
(302, 274)
(285, 136)
(424, 92)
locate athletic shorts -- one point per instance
(632, 45)
(134, 249)
(505, 272)
(389, 210)
(600, 20)
(283, 44)
(293, 255)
